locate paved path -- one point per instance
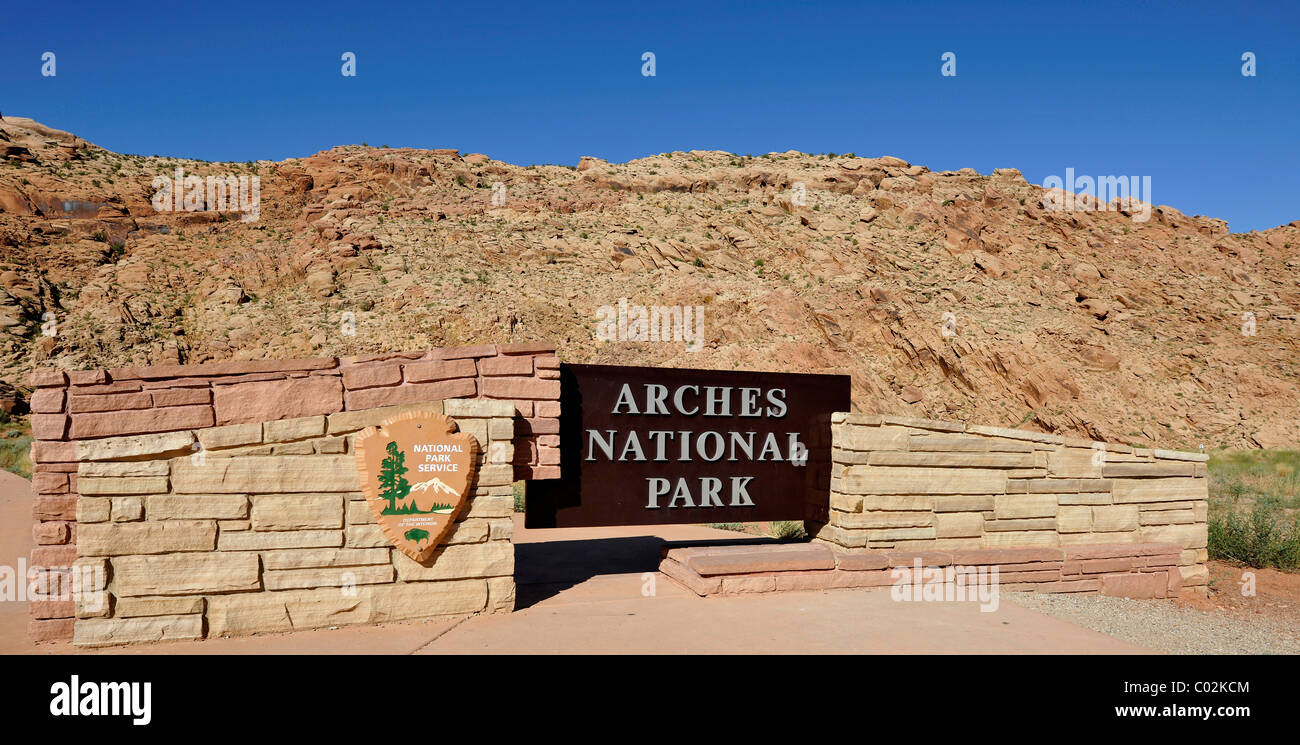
(588, 591)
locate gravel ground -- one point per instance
(1164, 626)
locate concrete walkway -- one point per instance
(595, 590)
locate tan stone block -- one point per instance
(996, 445)
(1022, 539)
(134, 446)
(963, 503)
(365, 536)
(266, 474)
(470, 531)
(92, 573)
(501, 452)
(126, 509)
(478, 408)
(419, 600)
(860, 520)
(308, 558)
(850, 457)
(92, 604)
(1020, 524)
(185, 574)
(1086, 539)
(297, 511)
(1160, 490)
(196, 507)
(947, 443)
(231, 526)
(846, 502)
(952, 460)
(93, 509)
(1109, 518)
(124, 485)
(1201, 511)
(490, 559)
(1024, 505)
(231, 435)
(852, 437)
(331, 445)
(495, 475)
(157, 606)
(118, 539)
(260, 540)
(477, 428)
(1194, 576)
(1148, 470)
(900, 534)
(1074, 519)
(103, 632)
(1180, 455)
(110, 469)
(305, 447)
(918, 481)
(352, 421)
(501, 429)
(501, 594)
(1014, 434)
(359, 513)
(897, 503)
(501, 529)
(958, 524)
(293, 429)
(312, 577)
(502, 506)
(1187, 536)
(917, 423)
(1084, 498)
(1072, 464)
(292, 610)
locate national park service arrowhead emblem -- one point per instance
(416, 470)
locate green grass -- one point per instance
(520, 500)
(16, 445)
(1255, 508)
(1239, 477)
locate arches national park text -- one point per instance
(709, 445)
(688, 446)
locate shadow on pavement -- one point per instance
(546, 568)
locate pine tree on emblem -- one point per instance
(392, 483)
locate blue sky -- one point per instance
(1126, 88)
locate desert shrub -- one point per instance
(788, 530)
(1262, 537)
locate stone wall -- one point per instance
(85, 405)
(914, 484)
(263, 529)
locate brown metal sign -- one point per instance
(415, 472)
(650, 446)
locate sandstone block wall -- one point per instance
(263, 529)
(915, 484)
(87, 405)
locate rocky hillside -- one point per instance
(1083, 323)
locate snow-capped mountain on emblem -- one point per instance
(416, 517)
